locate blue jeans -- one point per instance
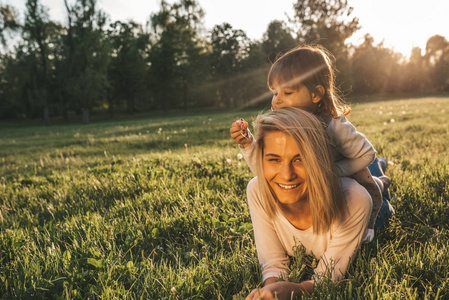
(386, 210)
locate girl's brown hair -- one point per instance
(325, 194)
(310, 66)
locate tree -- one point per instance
(415, 78)
(327, 22)
(437, 57)
(230, 48)
(8, 21)
(176, 58)
(277, 39)
(36, 32)
(375, 69)
(128, 67)
(87, 54)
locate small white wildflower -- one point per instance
(391, 163)
(175, 132)
(392, 120)
(385, 123)
(229, 161)
(443, 110)
(239, 156)
(390, 113)
(183, 130)
(51, 249)
(174, 291)
(168, 138)
(160, 130)
(380, 112)
(403, 112)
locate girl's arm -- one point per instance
(249, 154)
(356, 150)
(243, 137)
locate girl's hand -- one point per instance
(281, 290)
(241, 134)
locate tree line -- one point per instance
(172, 62)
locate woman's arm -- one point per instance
(281, 290)
(347, 234)
(272, 256)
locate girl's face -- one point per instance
(283, 168)
(284, 96)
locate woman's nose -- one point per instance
(287, 172)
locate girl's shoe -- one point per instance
(386, 182)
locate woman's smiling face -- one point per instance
(283, 168)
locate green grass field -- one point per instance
(155, 208)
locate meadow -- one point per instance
(155, 208)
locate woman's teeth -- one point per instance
(288, 187)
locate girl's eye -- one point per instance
(288, 93)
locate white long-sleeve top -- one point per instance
(276, 237)
(352, 151)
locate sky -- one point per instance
(399, 24)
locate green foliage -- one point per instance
(156, 209)
(328, 23)
(171, 63)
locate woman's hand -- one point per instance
(281, 290)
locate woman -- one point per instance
(299, 199)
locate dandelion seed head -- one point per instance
(239, 156)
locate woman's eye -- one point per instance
(298, 160)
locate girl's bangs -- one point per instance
(285, 75)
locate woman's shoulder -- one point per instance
(357, 197)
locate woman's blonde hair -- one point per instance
(310, 66)
(324, 190)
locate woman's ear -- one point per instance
(318, 94)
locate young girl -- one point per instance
(304, 77)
